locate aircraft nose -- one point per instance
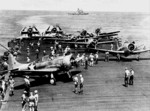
(131, 47)
(126, 52)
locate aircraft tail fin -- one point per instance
(66, 59)
(13, 63)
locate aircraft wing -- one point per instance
(44, 70)
(106, 35)
(84, 43)
(110, 51)
(110, 33)
(120, 52)
(105, 42)
(139, 51)
(34, 32)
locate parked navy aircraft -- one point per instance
(106, 36)
(59, 65)
(30, 31)
(85, 43)
(125, 51)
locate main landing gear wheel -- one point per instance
(52, 82)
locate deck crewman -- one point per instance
(53, 52)
(28, 60)
(111, 46)
(37, 53)
(76, 82)
(91, 57)
(38, 45)
(44, 52)
(81, 83)
(60, 49)
(86, 62)
(83, 59)
(27, 85)
(131, 77)
(96, 58)
(36, 96)
(4, 85)
(5, 65)
(28, 51)
(31, 102)
(31, 45)
(107, 56)
(126, 78)
(12, 83)
(56, 45)
(118, 57)
(24, 100)
(2, 92)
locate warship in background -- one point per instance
(79, 12)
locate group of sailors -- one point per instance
(30, 101)
(4, 85)
(87, 60)
(28, 98)
(129, 77)
(78, 83)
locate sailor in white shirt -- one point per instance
(36, 96)
(76, 81)
(91, 57)
(126, 78)
(81, 83)
(27, 85)
(96, 58)
(28, 60)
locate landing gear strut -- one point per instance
(138, 57)
(52, 79)
(118, 57)
(69, 74)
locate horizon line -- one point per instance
(71, 10)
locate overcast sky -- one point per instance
(72, 5)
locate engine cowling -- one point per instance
(126, 53)
(131, 47)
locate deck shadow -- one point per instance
(41, 80)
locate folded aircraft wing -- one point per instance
(110, 33)
(25, 32)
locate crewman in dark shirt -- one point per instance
(86, 62)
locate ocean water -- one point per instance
(133, 26)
